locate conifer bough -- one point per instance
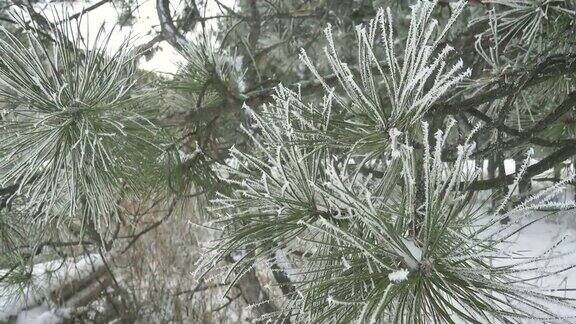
(411, 246)
(75, 124)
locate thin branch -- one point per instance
(553, 66)
(168, 29)
(84, 11)
(151, 227)
(543, 165)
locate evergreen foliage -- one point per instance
(387, 229)
(75, 130)
(310, 161)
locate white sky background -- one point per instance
(145, 27)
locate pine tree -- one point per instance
(386, 229)
(310, 161)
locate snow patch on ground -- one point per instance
(553, 237)
(46, 277)
(41, 315)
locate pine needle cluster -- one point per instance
(354, 190)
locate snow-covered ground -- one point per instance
(30, 307)
(560, 235)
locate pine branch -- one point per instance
(541, 166)
(551, 67)
(169, 31)
(528, 135)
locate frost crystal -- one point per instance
(398, 276)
